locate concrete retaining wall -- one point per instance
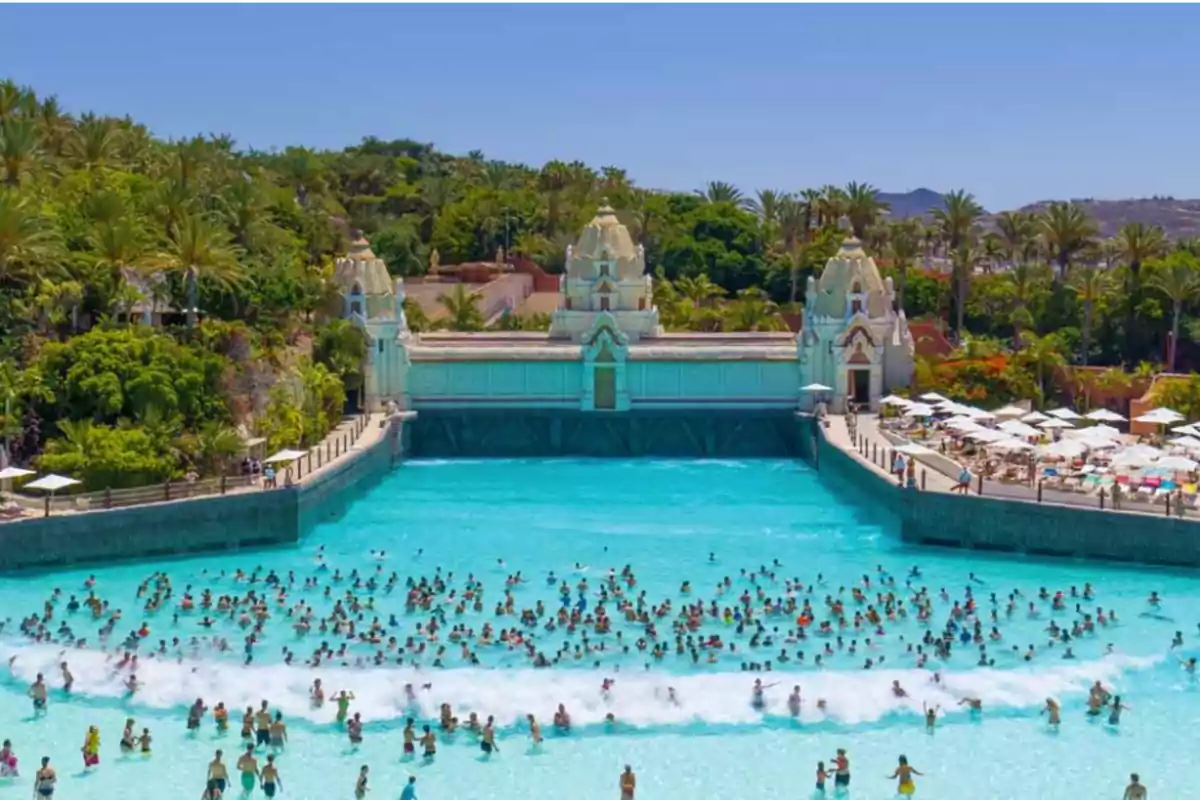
(249, 519)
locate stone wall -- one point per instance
(247, 519)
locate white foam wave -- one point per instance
(638, 698)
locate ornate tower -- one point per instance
(371, 301)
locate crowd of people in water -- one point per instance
(760, 620)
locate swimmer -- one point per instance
(343, 704)
(429, 743)
(1114, 713)
(360, 785)
(562, 720)
(1053, 711)
(317, 693)
(1135, 790)
(270, 777)
(247, 765)
(974, 703)
(898, 690)
(535, 730)
(794, 702)
(757, 698)
(217, 774)
(37, 691)
(931, 713)
(487, 740)
(822, 776)
(841, 771)
(68, 678)
(410, 789)
(904, 775)
(410, 738)
(45, 779)
(628, 783)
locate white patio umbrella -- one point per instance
(8, 473)
(1144, 450)
(1009, 444)
(919, 410)
(1055, 423)
(284, 456)
(1104, 415)
(816, 387)
(1010, 411)
(1161, 416)
(1064, 448)
(913, 449)
(979, 413)
(1186, 442)
(1018, 428)
(1034, 416)
(51, 483)
(964, 424)
(1188, 430)
(987, 435)
(1177, 462)
(1131, 460)
(895, 400)
(1064, 413)
(933, 397)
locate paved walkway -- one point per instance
(868, 429)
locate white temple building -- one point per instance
(853, 339)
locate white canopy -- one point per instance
(51, 483)
(284, 455)
(1010, 411)
(1064, 413)
(913, 449)
(918, 410)
(895, 400)
(1188, 430)
(988, 435)
(14, 472)
(1034, 416)
(933, 397)
(1064, 448)
(1055, 423)
(1161, 416)
(1177, 462)
(979, 413)
(1186, 442)
(1009, 444)
(816, 387)
(964, 424)
(1018, 428)
(1134, 460)
(1104, 415)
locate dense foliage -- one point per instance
(101, 222)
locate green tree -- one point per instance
(1090, 284)
(1067, 229)
(1176, 277)
(721, 192)
(863, 207)
(956, 218)
(462, 310)
(904, 239)
(27, 240)
(19, 140)
(1042, 354)
(342, 347)
(1137, 242)
(201, 249)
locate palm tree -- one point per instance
(1018, 235)
(904, 237)
(792, 222)
(722, 192)
(1090, 283)
(863, 207)
(766, 204)
(1176, 277)
(964, 260)
(1044, 354)
(96, 141)
(1137, 242)
(754, 311)
(698, 290)
(462, 310)
(119, 247)
(993, 251)
(832, 206)
(1067, 229)
(811, 207)
(54, 126)
(956, 218)
(217, 444)
(18, 147)
(201, 248)
(27, 241)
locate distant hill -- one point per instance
(1179, 218)
(916, 203)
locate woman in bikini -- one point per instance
(904, 774)
(46, 778)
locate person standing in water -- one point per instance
(68, 678)
(37, 691)
(904, 773)
(487, 742)
(46, 778)
(841, 770)
(535, 730)
(360, 785)
(343, 705)
(410, 739)
(270, 777)
(1135, 790)
(628, 783)
(1114, 713)
(410, 789)
(1053, 712)
(248, 767)
(217, 774)
(822, 776)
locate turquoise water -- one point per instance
(579, 518)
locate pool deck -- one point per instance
(838, 433)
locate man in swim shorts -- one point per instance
(217, 775)
(248, 766)
(262, 726)
(270, 777)
(410, 738)
(37, 691)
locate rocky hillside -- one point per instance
(1179, 218)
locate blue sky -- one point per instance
(1015, 103)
